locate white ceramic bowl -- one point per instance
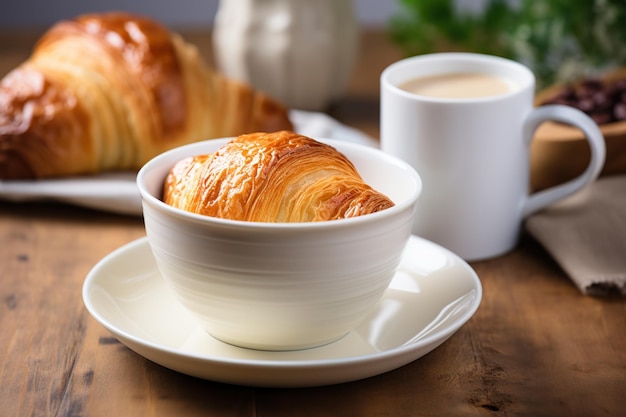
(280, 286)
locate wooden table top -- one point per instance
(536, 346)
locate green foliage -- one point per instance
(558, 39)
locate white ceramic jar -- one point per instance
(300, 52)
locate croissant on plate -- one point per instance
(272, 177)
(109, 91)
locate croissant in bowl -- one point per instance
(272, 177)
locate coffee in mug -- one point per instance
(465, 122)
(459, 85)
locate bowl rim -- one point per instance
(158, 160)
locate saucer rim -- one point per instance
(416, 349)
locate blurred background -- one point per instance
(561, 40)
(176, 14)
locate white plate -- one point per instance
(433, 294)
(117, 192)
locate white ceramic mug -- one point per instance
(473, 153)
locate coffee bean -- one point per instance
(603, 102)
(619, 112)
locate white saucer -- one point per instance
(433, 294)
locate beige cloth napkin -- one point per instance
(586, 235)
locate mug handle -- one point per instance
(577, 118)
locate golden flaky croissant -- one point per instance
(109, 91)
(272, 177)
